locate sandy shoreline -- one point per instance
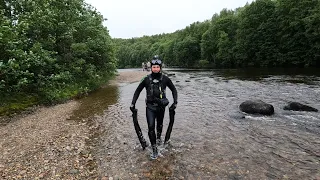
(46, 145)
(129, 77)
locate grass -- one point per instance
(14, 103)
(18, 102)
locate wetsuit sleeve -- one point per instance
(138, 91)
(173, 90)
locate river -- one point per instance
(211, 139)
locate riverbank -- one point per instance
(44, 144)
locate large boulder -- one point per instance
(256, 107)
(295, 106)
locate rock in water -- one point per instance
(295, 106)
(256, 107)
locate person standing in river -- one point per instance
(156, 101)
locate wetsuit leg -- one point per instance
(160, 116)
(151, 116)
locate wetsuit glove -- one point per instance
(132, 107)
(173, 106)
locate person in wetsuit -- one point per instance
(156, 101)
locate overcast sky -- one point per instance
(135, 18)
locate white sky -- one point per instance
(135, 18)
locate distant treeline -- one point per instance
(51, 50)
(265, 33)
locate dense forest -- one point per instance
(51, 50)
(264, 33)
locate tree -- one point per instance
(49, 47)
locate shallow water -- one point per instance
(210, 137)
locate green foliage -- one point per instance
(54, 49)
(180, 47)
(18, 102)
(203, 63)
(264, 33)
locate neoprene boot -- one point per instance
(154, 154)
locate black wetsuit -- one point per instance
(155, 84)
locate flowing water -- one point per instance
(211, 139)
